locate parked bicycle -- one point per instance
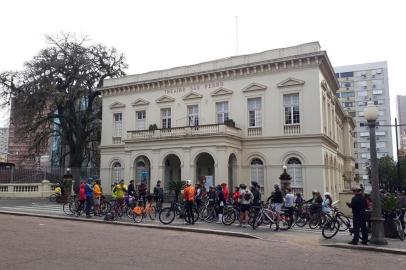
(167, 214)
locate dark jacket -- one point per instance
(131, 190)
(358, 205)
(277, 196)
(158, 192)
(257, 196)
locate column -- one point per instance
(187, 166)
(155, 173)
(221, 166)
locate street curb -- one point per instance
(151, 226)
(367, 248)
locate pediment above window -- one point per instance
(290, 82)
(165, 99)
(117, 105)
(192, 95)
(254, 87)
(221, 92)
(140, 102)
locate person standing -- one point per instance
(142, 192)
(289, 202)
(277, 202)
(245, 200)
(82, 197)
(327, 203)
(158, 195)
(236, 195)
(89, 197)
(189, 196)
(358, 205)
(97, 193)
(225, 191)
(255, 189)
(221, 201)
(199, 196)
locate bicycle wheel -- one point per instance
(229, 217)
(314, 221)
(105, 207)
(257, 221)
(211, 215)
(52, 197)
(137, 218)
(66, 208)
(152, 213)
(344, 222)
(330, 228)
(166, 215)
(400, 231)
(196, 214)
(284, 222)
(203, 212)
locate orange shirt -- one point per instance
(189, 193)
(96, 191)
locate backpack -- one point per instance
(247, 196)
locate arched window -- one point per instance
(116, 172)
(295, 170)
(257, 172)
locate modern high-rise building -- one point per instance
(401, 104)
(358, 85)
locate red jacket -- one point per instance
(226, 193)
(82, 192)
(236, 196)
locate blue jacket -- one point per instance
(89, 191)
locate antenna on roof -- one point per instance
(236, 35)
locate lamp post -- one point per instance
(371, 113)
(285, 180)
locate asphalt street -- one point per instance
(38, 243)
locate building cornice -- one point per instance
(261, 67)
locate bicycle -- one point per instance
(268, 215)
(139, 212)
(398, 223)
(167, 214)
(53, 196)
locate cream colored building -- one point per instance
(283, 104)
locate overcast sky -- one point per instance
(163, 34)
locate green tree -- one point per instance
(56, 93)
(387, 173)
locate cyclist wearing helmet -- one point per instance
(245, 200)
(326, 204)
(189, 195)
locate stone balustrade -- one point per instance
(27, 190)
(201, 130)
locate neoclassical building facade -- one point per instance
(176, 123)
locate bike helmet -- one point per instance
(188, 182)
(327, 194)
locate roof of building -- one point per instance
(217, 65)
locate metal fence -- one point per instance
(11, 174)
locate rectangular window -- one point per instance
(348, 104)
(222, 111)
(140, 120)
(346, 74)
(193, 115)
(352, 114)
(347, 94)
(377, 84)
(362, 93)
(166, 118)
(254, 112)
(117, 127)
(291, 109)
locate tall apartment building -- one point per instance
(401, 104)
(358, 85)
(3, 144)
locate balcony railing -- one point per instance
(291, 129)
(254, 132)
(212, 129)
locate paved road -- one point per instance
(38, 243)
